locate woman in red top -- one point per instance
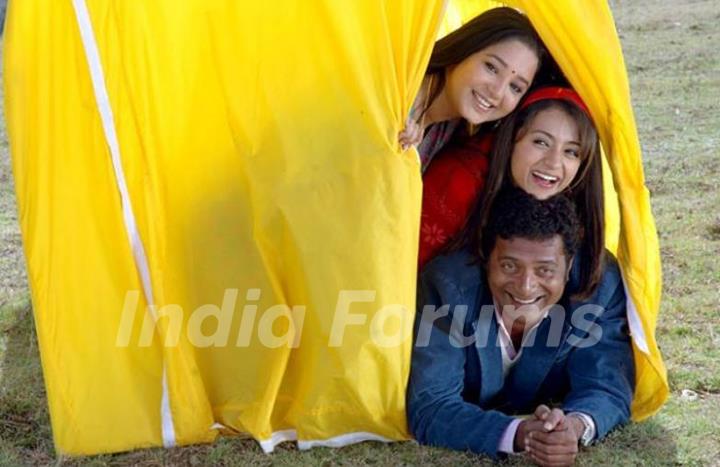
(549, 145)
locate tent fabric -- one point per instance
(277, 215)
(259, 151)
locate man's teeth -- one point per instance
(525, 302)
(484, 103)
(547, 178)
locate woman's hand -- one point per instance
(411, 135)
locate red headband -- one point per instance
(556, 92)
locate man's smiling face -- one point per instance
(529, 275)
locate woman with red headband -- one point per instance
(548, 146)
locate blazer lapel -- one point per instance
(491, 373)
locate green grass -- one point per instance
(671, 50)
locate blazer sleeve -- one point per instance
(437, 413)
(602, 375)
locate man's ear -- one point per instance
(569, 267)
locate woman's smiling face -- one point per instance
(488, 84)
(546, 156)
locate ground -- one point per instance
(673, 62)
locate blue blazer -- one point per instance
(457, 397)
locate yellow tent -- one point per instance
(219, 226)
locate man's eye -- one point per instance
(546, 272)
(507, 267)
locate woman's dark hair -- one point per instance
(491, 27)
(586, 190)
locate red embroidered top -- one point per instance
(451, 186)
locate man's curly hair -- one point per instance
(516, 214)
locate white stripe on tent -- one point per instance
(141, 263)
(268, 445)
(278, 437)
(636, 329)
(343, 440)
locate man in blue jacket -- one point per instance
(505, 338)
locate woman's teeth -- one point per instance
(545, 177)
(482, 102)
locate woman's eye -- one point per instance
(516, 89)
(490, 67)
(574, 153)
(541, 142)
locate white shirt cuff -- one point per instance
(507, 441)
